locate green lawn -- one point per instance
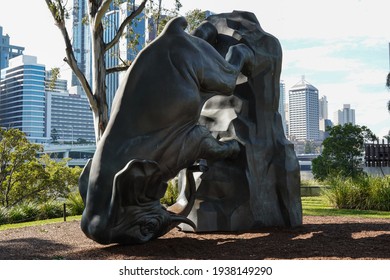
(312, 206)
(37, 223)
(317, 206)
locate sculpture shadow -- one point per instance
(32, 249)
(311, 241)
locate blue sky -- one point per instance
(341, 46)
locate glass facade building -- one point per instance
(22, 97)
(82, 41)
(7, 51)
(124, 50)
(282, 106)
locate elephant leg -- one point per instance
(212, 149)
(242, 58)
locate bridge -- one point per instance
(79, 153)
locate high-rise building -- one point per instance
(324, 122)
(344, 116)
(323, 108)
(303, 112)
(7, 51)
(113, 18)
(22, 97)
(69, 117)
(282, 105)
(82, 43)
(124, 50)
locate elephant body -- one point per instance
(153, 133)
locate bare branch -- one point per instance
(117, 69)
(103, 8)
(58, 12)
(122, 27)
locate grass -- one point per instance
(318, 206)
(312, 206)
(40, 222)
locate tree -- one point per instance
(194, 19)
(343, 152)
(96, 11)
(54, 135)
(24, 177)
(17, 156)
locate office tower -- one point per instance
(56, 85)
(68, 116)
(323, 108)
(81, 41)
(7, 51)
(282, 105)
(346, 115)
(324, 122)
(113, 18)
(22, 97)
(303, 112)
(124, 50)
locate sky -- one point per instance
(340, 46)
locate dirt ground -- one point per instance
(317, 238)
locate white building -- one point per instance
(68, 117)
(323, 108)
(303, 112)
(22, 97)
(344, 116)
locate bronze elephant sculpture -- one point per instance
(153, 133)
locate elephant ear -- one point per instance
(138, 183)
(84, 179)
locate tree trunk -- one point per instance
(100, 115)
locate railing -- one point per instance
(377, 155)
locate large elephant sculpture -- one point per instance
(153, 133)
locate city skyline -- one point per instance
(346, 55)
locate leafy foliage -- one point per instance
(171, 194)
(194, 19)
(75, 204)
(362, 192)
(24, 177)
(343, 151)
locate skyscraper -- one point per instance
(121, 51)
(7, 51)
(303, 112)
(82, 41)
(282, 105)
(323, 108)
(344, 116)
(22, 97)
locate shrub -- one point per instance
(171, 193)
(3, 216)
(30, 211)
(75, 204)
(363, 192)
(50, 209)
(380, 193)
(15, 215)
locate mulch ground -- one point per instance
(317, 238)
